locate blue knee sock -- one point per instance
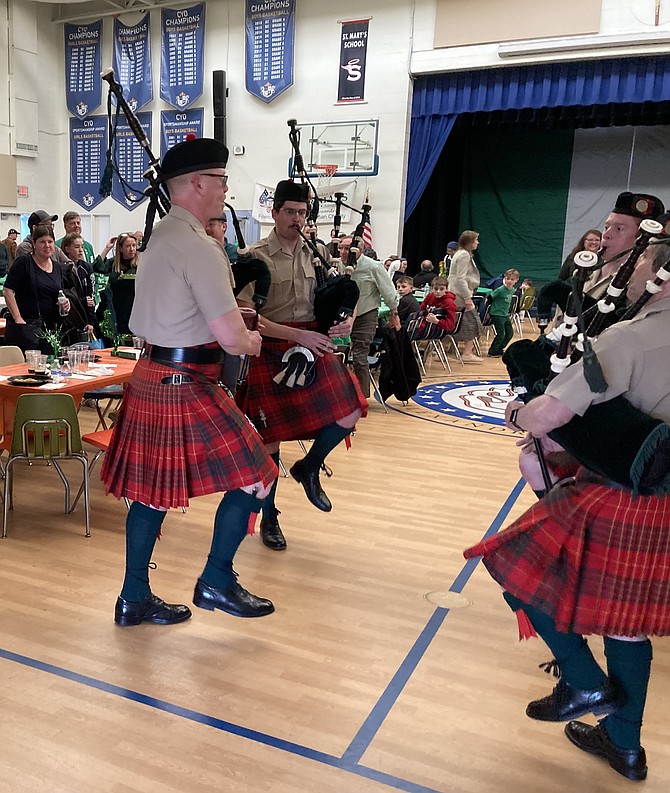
(270, 510)
(143, 525)
(230, 528)
(326, 440)
(578, 666)
(629, 667)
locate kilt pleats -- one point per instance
(175, 442)
(285, 414)
(594, 558)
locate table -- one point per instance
(76, 387)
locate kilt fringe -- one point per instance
(594, 558)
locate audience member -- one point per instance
(401, 269)
(72, 224)
(589, 241)
(119, 295)
(408, 303)
(374, 284)
(31, 292)
(452, 247)
(501, 300)
(216, 228)
(40, 218)
(439, 305)
(10, 245)
(463, 282)
(426, 275)
(73, 245)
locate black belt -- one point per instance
(185, 354)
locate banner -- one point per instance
(177, 124)
(83, 86)
(132, 161)
(353, 53)
(88, 144)
(182, 55)
(132, 62)
(270, 32)
(261, 209)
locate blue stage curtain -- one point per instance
(439, 98)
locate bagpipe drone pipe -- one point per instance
(612, 438)
(247, 269)
(336, 296)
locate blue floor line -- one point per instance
(380, 711)
(349, 761)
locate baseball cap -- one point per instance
(40, 216)
(12, 231)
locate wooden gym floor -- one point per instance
(357, 682)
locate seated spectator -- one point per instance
(439, 305)
(401, 269)
(425, 277)
(501, 299)
(408, 303)
(589, 241)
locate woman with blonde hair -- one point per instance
(119, 295)
(463, 282)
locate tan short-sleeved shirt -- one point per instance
(635, 359)
(183, 282)
(291, 295)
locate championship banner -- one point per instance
(132, 161)
(353, 53)
(177, 124)
(88, 144)
(132, 62)
(83, 86)
(182, 55)
(270, 33)
(261, 209)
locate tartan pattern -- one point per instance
(592, 557)
(285, 414)
(175, 442)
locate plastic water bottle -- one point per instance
(62, 302)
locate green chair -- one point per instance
(46, 428)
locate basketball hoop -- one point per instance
(325, 172)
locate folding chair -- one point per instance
(46, 428)
(525, 305)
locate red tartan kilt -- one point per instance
(174, 442)
(594, 558)
(289, 414)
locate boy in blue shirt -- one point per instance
(501, 299)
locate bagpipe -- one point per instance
(336, 296)
(612, 438)
(247, 269)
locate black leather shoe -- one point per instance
(631, 763)
(272, 535)
(565, 702)
(236, 600)
(151, 609)
(308, 477)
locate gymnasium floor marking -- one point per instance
(477, 405)
(350, 759)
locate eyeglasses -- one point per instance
(301, 213)
(223, 179)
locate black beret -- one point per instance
(197, 154)
(288, 190)
(639, 205)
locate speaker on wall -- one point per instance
(219, 98)
(220, 129)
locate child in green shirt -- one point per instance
(501, 299)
